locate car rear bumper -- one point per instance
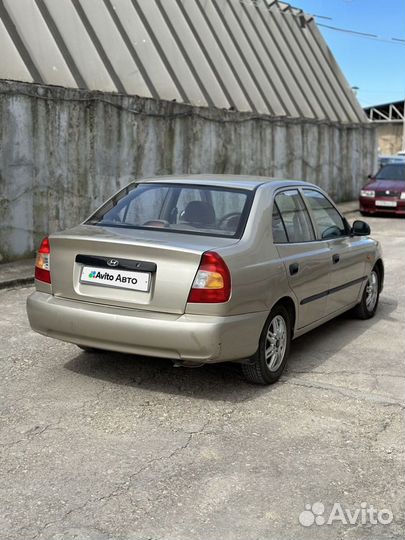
(194, 338)
(368, 205)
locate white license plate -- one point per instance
(120, 279)
(391, 204)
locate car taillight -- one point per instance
(212, 283)
(42, 266)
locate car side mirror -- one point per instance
(360, 228)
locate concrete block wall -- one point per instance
(64, 151)
(389, 136)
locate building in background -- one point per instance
(96, 92)
(390, 122)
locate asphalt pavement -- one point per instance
(98, 446)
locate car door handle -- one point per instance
(294, 268)
(336, 258)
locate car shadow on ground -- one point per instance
(382, 215)
(223, 382)
(313, 349)
(217, 382)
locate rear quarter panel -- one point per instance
(257, 273)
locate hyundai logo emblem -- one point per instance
(113, 262)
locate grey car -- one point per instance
(202, 269)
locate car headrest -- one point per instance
(199, 212)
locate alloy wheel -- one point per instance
(276, 343)
(372, 291)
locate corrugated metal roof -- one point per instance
(249, 55)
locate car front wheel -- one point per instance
(367, 307)
(267, 365)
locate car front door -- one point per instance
(347, 253)
(306, 260)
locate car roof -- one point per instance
(392, 159)
(240, 181)
(396, 164)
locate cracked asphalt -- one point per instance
(109, 446)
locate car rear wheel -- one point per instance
(367, 307)
(267, 365)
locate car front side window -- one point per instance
(295, 217)
(327, 219)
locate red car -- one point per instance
(385, 192)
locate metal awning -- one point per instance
(386, 112)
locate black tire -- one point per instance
(259, 371)
(368, 304)
(364, 213)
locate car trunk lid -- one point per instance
(99, 264)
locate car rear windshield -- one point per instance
(392, 172)
(193, 209)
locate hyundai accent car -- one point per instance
(385, 192)
(203, 269)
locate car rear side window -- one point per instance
(279, 234)
(295, 217)
(327, 219)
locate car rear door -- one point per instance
(306, 260)
(347, 253)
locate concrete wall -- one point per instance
(64, 151)
(389, 135)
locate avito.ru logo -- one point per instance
(118, 278)
(362, 515)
